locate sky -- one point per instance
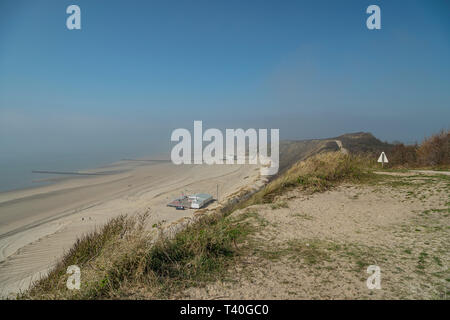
(137, 70)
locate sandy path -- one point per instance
(341, 147)
(447, 173)
(38, 225)
(411, 172)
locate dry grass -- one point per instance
(317, 174)
(86, 254)
(123, 260)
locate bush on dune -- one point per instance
(435, 151)
(402, 155)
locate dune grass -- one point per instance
(121, 260)
(85, 249)
(317, 174)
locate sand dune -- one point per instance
(39, 224)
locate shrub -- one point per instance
(402, 155)
(435, 151)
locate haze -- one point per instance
(139, 69)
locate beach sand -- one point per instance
(38, 225)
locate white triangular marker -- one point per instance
(383, 158)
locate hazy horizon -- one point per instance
(138, 70)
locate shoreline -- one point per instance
(43, 173)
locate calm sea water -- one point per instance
(16, 172)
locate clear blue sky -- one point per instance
(139, 69)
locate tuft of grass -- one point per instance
(278, 205)
(421, 263)
(437, 260)
(311, 252)
(307, 252)
(303, 216)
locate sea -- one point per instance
(16, 172)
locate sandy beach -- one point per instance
(38, 224)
